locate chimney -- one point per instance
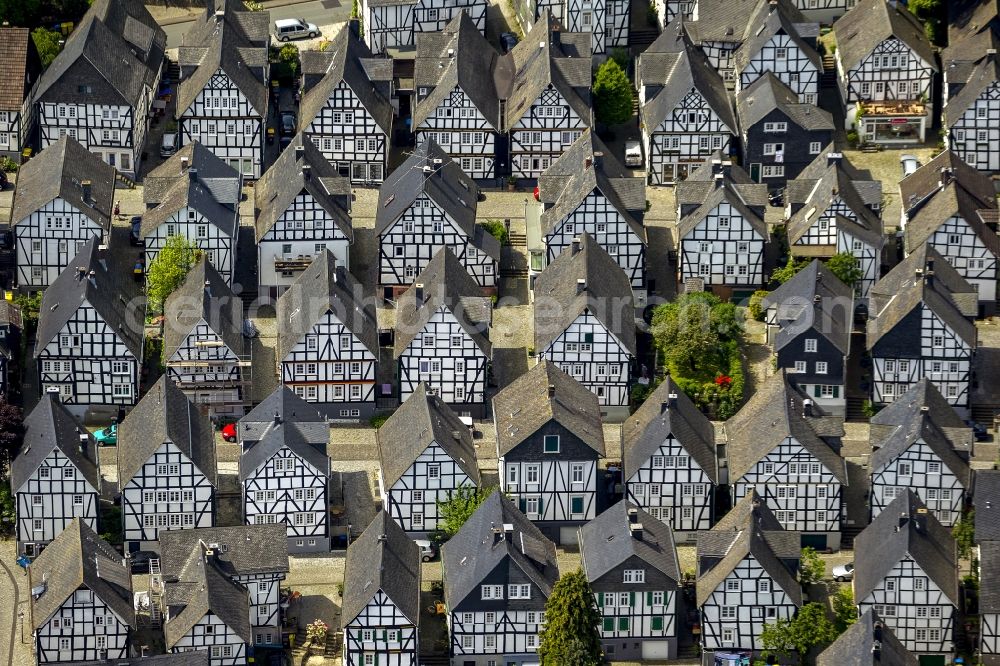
(833, 158)
(664, 407)
(924, 409)
(587, 163)
(633, 515)
(807, 407)
(81, 272)
(716, 165)
(719, 178)
(635, 529)
(817, 299)
(102, 257)
(672, 400)
(306, 172)
(277, 418)
(946, 176)
(83, 441)
(418, 293)
(184, 163)
(581, 286)
(903, 519)
(220, 15)
(552, 390)
(92, 276)
(208, 289)
(929, 273)
(87, 187)
(300, 152)
(576, 246)
(193, 175)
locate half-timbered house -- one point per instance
(585, 322)
(972, 116)
(285, 474)
(810, 319)
(380, 613)
(345, 110)
(921, 325)
(442, 336)
(607, 21)
(100, 88)
(775, 126)
(11, 358)
(833, 208)
(906, 570)
(456, 103)
(746, 576)
(222, 96)
(686, 112)
(166, 467)
(54, 476)
(64, 197)
(549, 442)
(824, 11)
(90, 337)
(588, 191)
(631, 562)
(721, 234)
(196, 195)
(291, 410)
(545, 87)
(81, 599)
(867, 642)
(973, 30)
(426, 454)
(303, 207)
(427, 204)
(668, 10)
(391, 24)
(947, 204)
(252, 557)
(498, 572)
(669, 461)
(777, 446)
(328, 341)
(22, 69)
(203, 346)
(919, 442)
(885, 71)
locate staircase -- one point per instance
(983, 413)
(829, 76)
(640, 39)
(687, 652)
(847, 535)
(871, 148)
(515, 239)
(635, 102)
(854, 410)
(125, 180)
(173, 72)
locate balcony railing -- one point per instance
(292, 262)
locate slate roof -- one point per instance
(910, 407)
(79, 558)
(222, 180)
(244, 550)
(19, 65)
(203, 296)
(349, 60)
(606, 294)
(296, 171)
(382, 558)
(230, 38)
(445, 283)
(131, 20)
(193, 658)
(814, 297)
(769, 93)
(165, 415)
(893, 536)
(989, 574)
(925, 429)
(421, 420)
(723, 20)
(50, 426)
(483, 543)
(773, 413)
(431, 172)
(10, 314)
(984, 74)
(524, 406)
(672, 67)
(59, 171)
(646, 429)
(324, 287)
(607, 542)
(770, 19)
(860, 643)
(110, 291)
(278, 436)
(291, 410)
(203, 588)
(458, 56)
(749, 529)
(700, 184)
(948, 295)
(927, 180)
(715, 195)
(986, 500)
(952, 199)
(587, 165)
(973, 29)
(870, 23)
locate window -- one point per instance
(551, 444)
(781, 54)
(821, 368)
(933, 468)
(520, 591)
(531, 473)
(728, 636)
(764, 585)
(576, 473)
(815, 147)
(905, 469)
(492, 591)
(69, 472)
(800, 366)
(810, 344)
(732, 585)
(728, 613)
(634, 576)
(434, 471)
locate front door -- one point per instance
(755, 172)
(668, 173)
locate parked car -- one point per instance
(229, 432)
(287, 123)
(427, 550)
(135, 229)
(508, 41)
(979, 431)
(107, 436)
(168, 144)
(139, 561)
(294, 28)
(633, 153)
(843, 572)
(909, 164)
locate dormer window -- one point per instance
(634, 576)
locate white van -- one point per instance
(633, 154)
(168, 146)
(286, 29)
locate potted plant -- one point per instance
(316, 633)
(511, 183)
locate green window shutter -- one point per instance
(631, 599)
(817, 391)
(588, 337)
(541, 507)
(600, 599)
(609, 624)
(836, 391)
(649, 598)
(576, 505)
(657, 623)
(522, 504)
(623, 624)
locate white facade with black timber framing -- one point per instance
(81, 602)
(988, 554)
(426, 456)
(65, 199)
(906, 570)
(442, 336)
(549, 442)
(972, 116)
(54, 477)
(607, 21)
(166, 467)
(631, 563)
(392, 24)
(381, 607)
(669, 461)
(498, 572)
(89, 341)
(24, 67)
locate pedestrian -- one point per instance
(118, 209)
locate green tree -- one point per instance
(168, 270)
(461, 503)
(20, 12)
(253, 5)
(110, 523)
(964, 532)
(48, 43)
(498, 230)
(788, 271)
(8, 515)
(11, 433)
(612, 94)
(844, 611)
(846, 267)
(571, 632)
(808, 629)
(811, 568)
(289, 54)
(756, 305)
(932, 13)
(682, 329)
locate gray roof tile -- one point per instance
(607, 541)
(869, 23)
(814, 297)
(867, 641)
(244, 550)
(203, 296)
(51, 426)
(382, 558)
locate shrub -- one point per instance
(8, 165)
(756, 305)
(377, 420)
(498, 230)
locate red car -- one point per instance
(229, 432)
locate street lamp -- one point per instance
(20, 616)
